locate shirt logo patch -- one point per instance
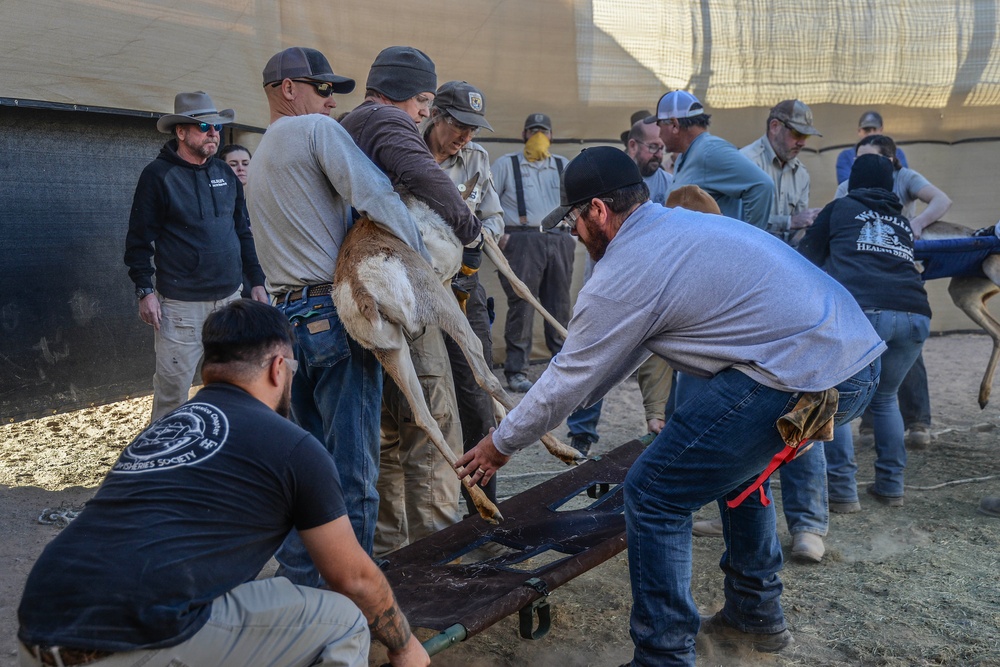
(218, 183)
(192, 433)
(476, 101)
(878, 235)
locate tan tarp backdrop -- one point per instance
(932, 68)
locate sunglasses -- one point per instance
(205, 127)
(323, 88)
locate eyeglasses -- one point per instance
(293, 364)
(571, 218)
(653, 148)
(461, 128)
(424, 100)
(205, 127)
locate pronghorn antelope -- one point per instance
(384, 289)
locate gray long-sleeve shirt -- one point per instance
(302, 182)
(706, 295)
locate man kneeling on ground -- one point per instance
(159, 567)
(723, 301)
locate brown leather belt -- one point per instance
(313, 290)
(58, 655)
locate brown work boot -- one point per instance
(711, 528)
(720, 631)
(888, 501)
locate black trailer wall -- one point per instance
(69, 329)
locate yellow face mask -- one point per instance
(537, 147)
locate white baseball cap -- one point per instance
(676, 104)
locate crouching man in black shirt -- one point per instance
(159, 567)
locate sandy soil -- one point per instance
(898, 587)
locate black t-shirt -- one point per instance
(194, 507)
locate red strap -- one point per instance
(782, 457)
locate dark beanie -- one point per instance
(400, 72)
(871, 171)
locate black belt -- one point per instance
(312, 290)
(58, 655)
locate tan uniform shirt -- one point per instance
(791, 185)
(483, 201)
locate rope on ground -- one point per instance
(953, 482)
(59, 516)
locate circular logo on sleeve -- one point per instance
(189, 434)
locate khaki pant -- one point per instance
(418, 490)
(178, 349)
(264, 622)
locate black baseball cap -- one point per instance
(298, 62)
(594, 172)
(464, 102)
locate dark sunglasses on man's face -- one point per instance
(323, 88)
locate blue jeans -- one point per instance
(337, 397)
(913, 396)
(803, 480)
(582, 423)
(716, 444)
(904, 334)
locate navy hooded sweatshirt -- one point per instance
(190, 220)
(864, 242)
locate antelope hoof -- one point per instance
(984, 398)
(563, 452)
(486, 508)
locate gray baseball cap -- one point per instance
(463, 102)
(298, 62)
(538, 120)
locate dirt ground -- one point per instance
(909, 586)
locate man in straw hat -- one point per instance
(718, 441)
(189, 229)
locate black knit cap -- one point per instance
(871, 171)
(400, 72)
(594, 172)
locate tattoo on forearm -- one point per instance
(390, 627)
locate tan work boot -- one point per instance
(918, 436)
(808, 547)
(711, 528)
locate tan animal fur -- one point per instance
(971, 294)
(383, 288)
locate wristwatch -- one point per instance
(142, 292)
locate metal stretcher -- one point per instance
(463, 579)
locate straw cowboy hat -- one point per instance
(195, 107)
